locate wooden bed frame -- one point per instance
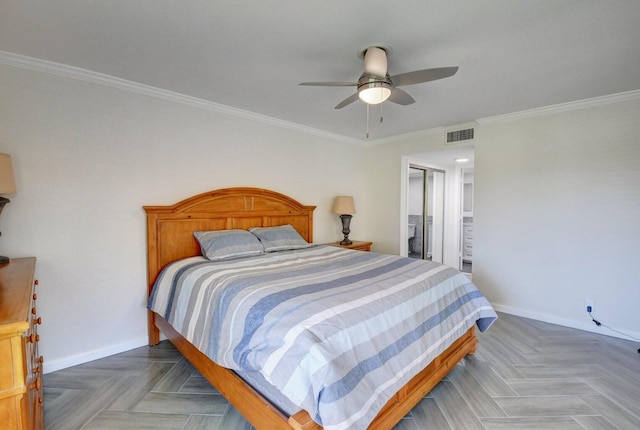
(170, 237)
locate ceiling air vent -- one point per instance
(460, 135)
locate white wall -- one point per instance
(88, 157)
(556, 214)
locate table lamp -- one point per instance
(343, 206)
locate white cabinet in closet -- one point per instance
(467, 240)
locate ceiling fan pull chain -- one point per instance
(381, 113)
(367, 121)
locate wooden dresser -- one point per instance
(20, 363)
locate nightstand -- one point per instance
(357, 245)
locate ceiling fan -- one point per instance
(375, 85)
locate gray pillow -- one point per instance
(223, 244)
(279, 238)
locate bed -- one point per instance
(171, 242)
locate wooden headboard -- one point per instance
(170, 228)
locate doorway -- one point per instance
(425, 218)
(449, 162)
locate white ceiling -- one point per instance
(513, 55)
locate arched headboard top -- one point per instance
(236, 200)
(170, 228)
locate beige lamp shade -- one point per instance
(7, 180)
(343, 205)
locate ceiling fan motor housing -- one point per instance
(375, 62)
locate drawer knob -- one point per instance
(35, 296)
(33, 310)
(38, 320)
(38, 383)
(40, 359)
(35, 282)
(31, 338)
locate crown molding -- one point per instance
(71, 72)
(77, 73)
(406, 136)
(530, 113)
(563, 107)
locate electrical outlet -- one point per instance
(589, 305)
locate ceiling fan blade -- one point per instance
(420, 76)
(352, 98)
(400, 97)
(330, 84)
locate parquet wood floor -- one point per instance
(525, 375)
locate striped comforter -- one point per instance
(337, 331)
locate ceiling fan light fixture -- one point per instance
(374, 93)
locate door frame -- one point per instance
(452, 193)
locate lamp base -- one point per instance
(346, 222)
(3, 201)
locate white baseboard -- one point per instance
(586, 326)
(74, 360)
(96, 354)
